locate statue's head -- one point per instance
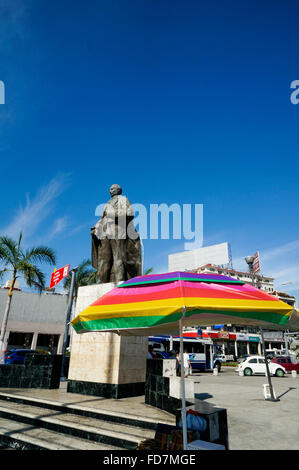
(115, 190)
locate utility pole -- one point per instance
(68, 316)
(249, 260)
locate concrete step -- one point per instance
(22, 436)
(85, 427)
(118, 416)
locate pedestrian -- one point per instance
(187, 363)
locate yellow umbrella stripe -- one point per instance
(168, 306)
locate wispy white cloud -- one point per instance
(289, 275)
(281, 250)
(78, 228)
(280, 262)
(59, 225)
(33, 215)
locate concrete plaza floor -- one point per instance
(253, 422)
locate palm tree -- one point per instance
(148, 271)
(21, 264)
(85, 275)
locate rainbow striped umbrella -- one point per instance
(152, 304)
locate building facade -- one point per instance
(239, 341)
(231, 342)
(36, 321)
(265, 283)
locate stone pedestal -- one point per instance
(106, 364)
(175, 388)
(163, 387)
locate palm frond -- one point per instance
(92, 279)
(148, 271)
(3, 271)
(40, 254)
(32, 275)
(8, 250)
(84, 276)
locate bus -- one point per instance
(202, 352)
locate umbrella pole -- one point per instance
(184, 420)
(272, 398)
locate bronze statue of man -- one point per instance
(115, 249)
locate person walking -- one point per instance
(187, 363)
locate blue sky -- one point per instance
(179, 102)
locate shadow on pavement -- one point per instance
(287, 391)
(202, 396)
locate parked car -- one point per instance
(255, 365)
(17, 356)
(287, 362)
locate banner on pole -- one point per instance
(58, 275)
(256, 263)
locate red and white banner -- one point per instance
(256, 263)
(58, 275)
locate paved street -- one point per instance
(253, 422)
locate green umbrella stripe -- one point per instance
(126, 322)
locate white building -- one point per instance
(35, 320)
(264, 283)
(237, 340)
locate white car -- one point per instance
(256, 365)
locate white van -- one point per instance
(275, 352)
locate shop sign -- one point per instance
(273, 336)
(254, 339)
(224, 334)
(242, 337)
(209, 334)
(273, 340)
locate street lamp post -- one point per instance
(295, 289)
(296, 305)
(249, 260)
(68, 316)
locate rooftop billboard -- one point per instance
(186, 260)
